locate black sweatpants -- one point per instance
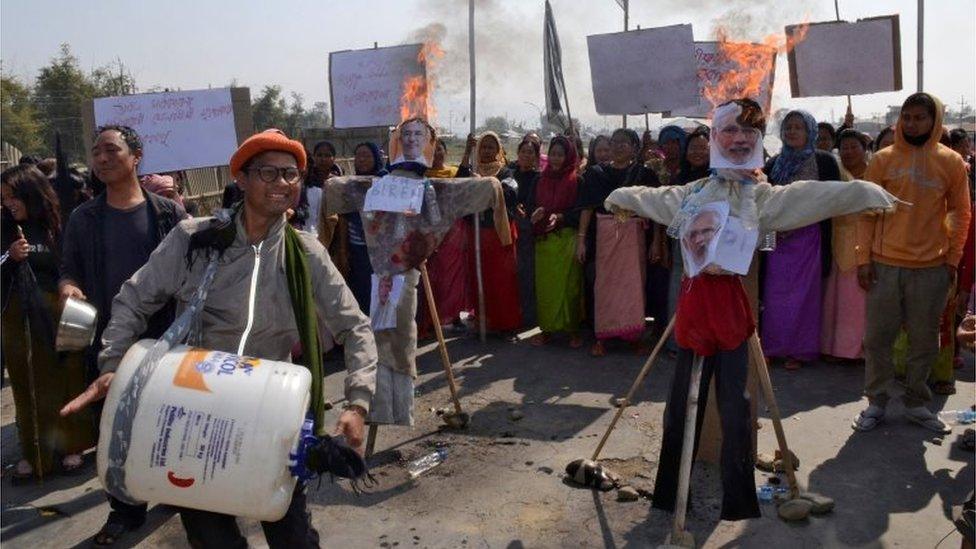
(731, 370)
(205, 529)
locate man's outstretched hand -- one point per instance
(96, 391)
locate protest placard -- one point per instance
(647, 70)
(842, 58)
(713, 64)
(366, 85)
(392, 193)
(179, 130)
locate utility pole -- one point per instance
(626, 28)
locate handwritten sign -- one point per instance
(712, 64)
(841, 58)
(366, 85)
(179, 130)
(648, 70)
(395, 194)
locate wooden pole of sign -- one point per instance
(441, 343)
(837, 14)
(633, 388)
(626, 28)
(477, 218)
(756, 352)
(921, 41)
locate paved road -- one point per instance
(501, 485)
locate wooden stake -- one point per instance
(687, 451)
(442, 345)
(633, 388)
(755, 346)
(371, 439)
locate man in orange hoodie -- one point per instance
(907, 259)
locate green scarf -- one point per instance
(303, 304)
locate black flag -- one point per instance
(555, 86)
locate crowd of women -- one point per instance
(574, 269)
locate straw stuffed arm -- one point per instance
(659, 204)
(457, 198)
(802, 203)
(345, 194)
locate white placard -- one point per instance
(384, 297)
(712, 65)
(179, 130)
(366, 85)
(841, 58)
(647, 70)
(392, 193)
(736, 247)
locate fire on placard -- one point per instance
(749, 64)
(417, 90)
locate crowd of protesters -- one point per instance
(886, 291)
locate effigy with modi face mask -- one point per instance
(405, 216)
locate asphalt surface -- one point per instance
(502, 484)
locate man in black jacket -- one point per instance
(107, 239)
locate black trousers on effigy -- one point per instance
(731, 370)
(206, 529)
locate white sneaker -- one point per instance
(926, 418)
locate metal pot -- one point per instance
(76, 330)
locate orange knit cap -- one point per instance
(268, 140)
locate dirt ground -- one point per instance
(502, 483)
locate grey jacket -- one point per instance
(248, 309)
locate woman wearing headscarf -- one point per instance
(844, 300)
(593, 191)
(793, 272)
(672, 141)
(448, 267)
(42, 380)
(526, 174)
(557, 273)
(367, 160)
(503, 310)
(332, 230)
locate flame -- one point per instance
(749, 65)
(417, 90)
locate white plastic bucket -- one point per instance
(212, 431)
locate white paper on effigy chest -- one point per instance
(392, 193)
(736, 246)
(383, 312)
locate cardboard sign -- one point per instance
(391, 193)
(366, 85)
(713, 64)
(647, 70)
(179, 130)
(841, 58)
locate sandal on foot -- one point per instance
(598, 349)
(920, 415)
(944, 388)
(575, 342)
(869, 418)
(22, 473)
(538, 340)
(111, 532)
(792, 365)
(71, 464)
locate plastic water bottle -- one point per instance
(426, 463)
(768, 242)
(958, 417)
(765, 493)
(430, 200)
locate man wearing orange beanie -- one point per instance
(255, 308)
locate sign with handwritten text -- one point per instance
(179, 130)
(366, 85)
(391, 193)
(712, 64)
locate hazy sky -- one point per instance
(194, 44)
